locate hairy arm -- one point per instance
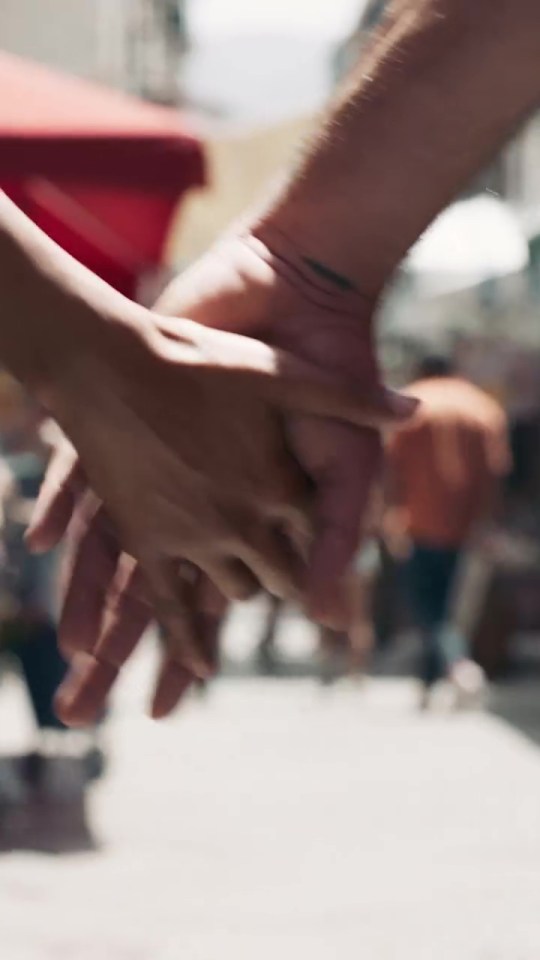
(442, 86)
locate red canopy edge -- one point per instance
(100, 171)
(59, 126)
(160, 164)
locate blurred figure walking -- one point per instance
(445, 469)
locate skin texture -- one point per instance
(441, 87)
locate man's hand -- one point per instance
(249, 287)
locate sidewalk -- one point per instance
(276, 819)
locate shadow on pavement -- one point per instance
(43, 805)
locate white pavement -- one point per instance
(275, 819)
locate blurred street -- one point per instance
(277, 818)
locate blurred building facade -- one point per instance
(135, 45)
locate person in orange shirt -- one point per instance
(444, 476)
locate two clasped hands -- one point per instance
(228, 440)
(210, 464)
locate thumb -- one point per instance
(304, 388)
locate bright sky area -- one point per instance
(263, 60)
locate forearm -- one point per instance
(51, 307)
(440, 90)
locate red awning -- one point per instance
(98, 170)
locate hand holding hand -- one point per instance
(208, 480)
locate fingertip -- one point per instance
(160, 711)
(329, 607)
(326, 585)
(72, 645)
(173, 683)
(201, 669)
(186, 658)
(69, 712)
(48, 525)
(80, 699)
(37, 541)
(401, 405)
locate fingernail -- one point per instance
(401, 404)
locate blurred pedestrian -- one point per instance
(445, 469)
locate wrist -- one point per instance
(313, 312)
(256, 277)
(300, 266)
(258, 283)
(358, 254)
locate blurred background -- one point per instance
(306, 802)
